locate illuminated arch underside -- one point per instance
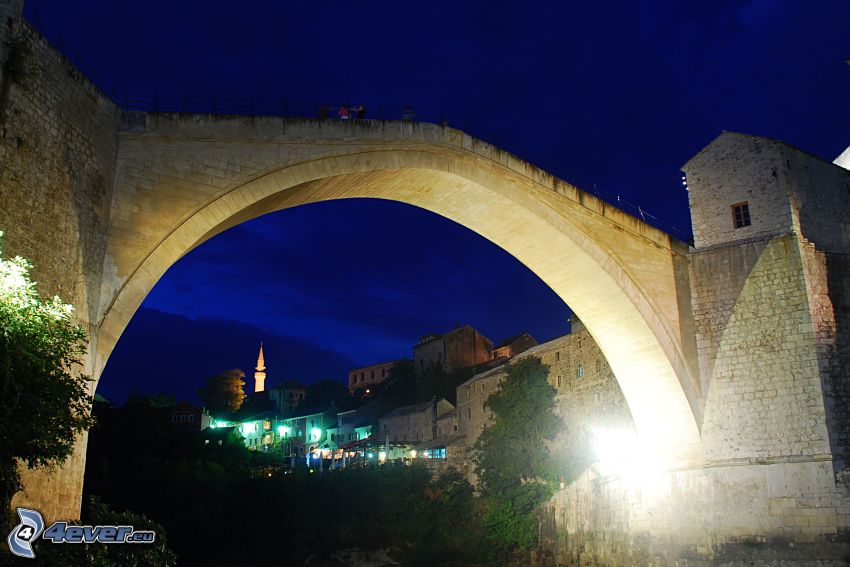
(575, 251)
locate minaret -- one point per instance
(260, 374)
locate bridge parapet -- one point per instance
(266, 127)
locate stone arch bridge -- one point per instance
(181, 179)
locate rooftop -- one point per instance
(536, 349)
(404, 410)
(728, 133)
(514, 338)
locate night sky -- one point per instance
(611, 96)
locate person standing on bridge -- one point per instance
(343, 112)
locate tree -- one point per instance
(223, 392)
(517, 472)
(46, 398)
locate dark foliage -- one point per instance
(45, 396)
(208, 497)
(516, 469)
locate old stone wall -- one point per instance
(447, 425)
(835, 344)
(820, 201)
(819, 194)
(769, 514)
(58, 143)
(757, 352)
(10, 14)
(413, 423)
(588, 396)
(770, 304)
(765, 297)
(737, 168)
(368, 376)
(460, 348)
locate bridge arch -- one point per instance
(621, 277)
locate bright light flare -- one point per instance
(621, 453)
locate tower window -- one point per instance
(741, 214)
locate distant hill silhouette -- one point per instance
(164, 352)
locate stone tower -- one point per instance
(260, 372)
(770, 270)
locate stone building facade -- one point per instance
(287, 397)
(460, 348)
(447, 425)
(308, 430)
(512, 346)
(187, 417)
(760, 284)
(362, 379)
(770, 293)
(413, 424)
(587, 396)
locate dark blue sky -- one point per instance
(615, 95)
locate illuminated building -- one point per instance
(187, 417)
(460, 348)
(260, 372)
(362, 379)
